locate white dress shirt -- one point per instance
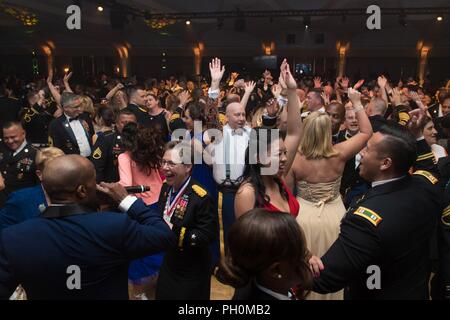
(306, 113)
(238, 142)
(379, 183)
(274, 294)
(80, 135)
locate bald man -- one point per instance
(228, 165)
(376, 109)
(73, 251)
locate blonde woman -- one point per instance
(317, 170)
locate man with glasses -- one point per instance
(72, 132)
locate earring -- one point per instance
(279, 276)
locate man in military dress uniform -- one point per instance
(382, 251)
(138, 104)
(108, 147)
(72, 132)
(187, 209)
(16, 160)
(36, 121)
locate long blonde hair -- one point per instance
(315, 142)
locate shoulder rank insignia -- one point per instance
(174, 116)
(97, 154)
(427, 175)
(369, 215)
(403, 118)
(446, 216)
(199, 190)
(426, 156)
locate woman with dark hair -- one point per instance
(158, 116)
(267, 257)
(104, 122)
(140, 162)
(269, 158)
(139, 165)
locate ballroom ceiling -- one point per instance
(225, 36)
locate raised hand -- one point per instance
(287, 76)
(119, 86)
(325, 97)
(317, 82)
(276, 90)
(382, 81)
(417, 122)
(249, 87)
(413, 95)
(184, 97)
(216, 70)
(354, 96)
(67, 77)
(358, 84)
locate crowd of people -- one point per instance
(287, 189)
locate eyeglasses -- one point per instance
(170, 164)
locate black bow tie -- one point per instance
(73, 119)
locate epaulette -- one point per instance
(427, 175)
(446, 216)
(369, 215)
(403, 118)
(97, 154)
(174, 116)
(426, 156)
(142, 109)
(199, 190)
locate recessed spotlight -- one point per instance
(188, 22)
(440, 18)
(100, 8)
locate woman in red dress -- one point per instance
(268, 160)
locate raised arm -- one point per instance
(56, 95)
(113, 91)
(217, 71)
(355, 144)
(249, 87)
(66, 79)
(294, 126)
(382, 82)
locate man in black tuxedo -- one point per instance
(72, 132)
